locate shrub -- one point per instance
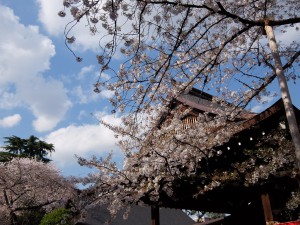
(57, 216)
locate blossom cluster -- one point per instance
(27, 184)
(202, 44)
(170, 47)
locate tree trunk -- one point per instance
(155, 215)
(12, 217)
(285, 94)
(265, 200)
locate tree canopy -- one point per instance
(28, 148)
(203, 44)
(27, 184)
(224, 47)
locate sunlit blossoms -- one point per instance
(170, 47)
(197, 43)
(186, 151)
(28, 184)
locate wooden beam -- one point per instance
(267, 209)
(154, 215)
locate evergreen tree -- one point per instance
(32, 147)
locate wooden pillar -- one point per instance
(267, 209)
(154, 215)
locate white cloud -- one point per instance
(85, 70)
(85, 95)
(25, 54)
(55, 25)
(82, 114)
(265, 101)
(48, 15)
(105, 76)
(10, 121)
(8, 98)
(79, 92)
(84, 140)
(107, 93)
(84, 92)
(289, 36)
(257, 108)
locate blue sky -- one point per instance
(46, 93)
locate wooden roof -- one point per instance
(203, 102)
(234, 197)
(99, 215)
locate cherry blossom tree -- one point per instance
(27, 184)
(203, 44)
(226, 47)
(181, 167)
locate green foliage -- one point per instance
(6, 156)
(28, 148)
(213, 215)
(57, 216)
